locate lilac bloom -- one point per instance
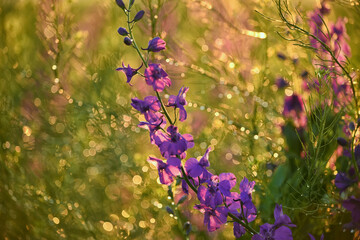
(342, 182)
(246, 189)
(156, 45)
(155, 76)
(353, 205)
(173, 143)
(149, 106)
(179, 102)
(153, 125)
(166, 170)
(214, 217)
(196, 168)
(129, 72)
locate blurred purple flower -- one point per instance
(179, 102)
(129, 72)
(196, 168)
(214, 217)
(156, 45)
(342, 182)
(281, 83)
(149, 106)
(293, 103)
(166, 170)
(353, 205)
(238, 230)
(156, 77)
(281, 218)
(173, 143)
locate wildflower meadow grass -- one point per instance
(180, 119)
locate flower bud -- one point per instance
(128, 41)
(156, 45)
(122, 31)
(182, 199)
(169, 210)
(341, 141)
(131, 3)
(187, 227)
(352, 126)
(139, 16)
(120, 3)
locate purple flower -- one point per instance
(278, 230)
(246, 189)
(209, 196)
(281, 83)
(156, 122)
(342, 182)
(149, 106)
(156, 77)
(293, 103)
(173, 143)
(226, 182)
(156, 45)
(238, 230)
(129, 72)
(214, 217)
(353, 205)
(179, 102)
(196, 168)
(167, 170)
(313, 238)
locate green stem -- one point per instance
(146, 65)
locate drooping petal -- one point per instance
(193, 168)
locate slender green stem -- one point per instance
(187, 180)
(353, 154)
(146, 65)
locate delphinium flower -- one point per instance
(149, 106)
(195, 168)
(129, 71)
(179, 102)
(214, 218)
(172, 143)
(167, 171)
(279, 230)
(156, 77)
(156, 45)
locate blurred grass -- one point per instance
(73, 161)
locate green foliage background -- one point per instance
(72, 159)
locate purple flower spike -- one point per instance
(155, 76)
(129, 72)
(156, 45)
(166, 170)
(149, 106)
(213, 218)
(196, 168)
(173, 143)
(179, 102)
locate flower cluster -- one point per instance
(217, 202)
